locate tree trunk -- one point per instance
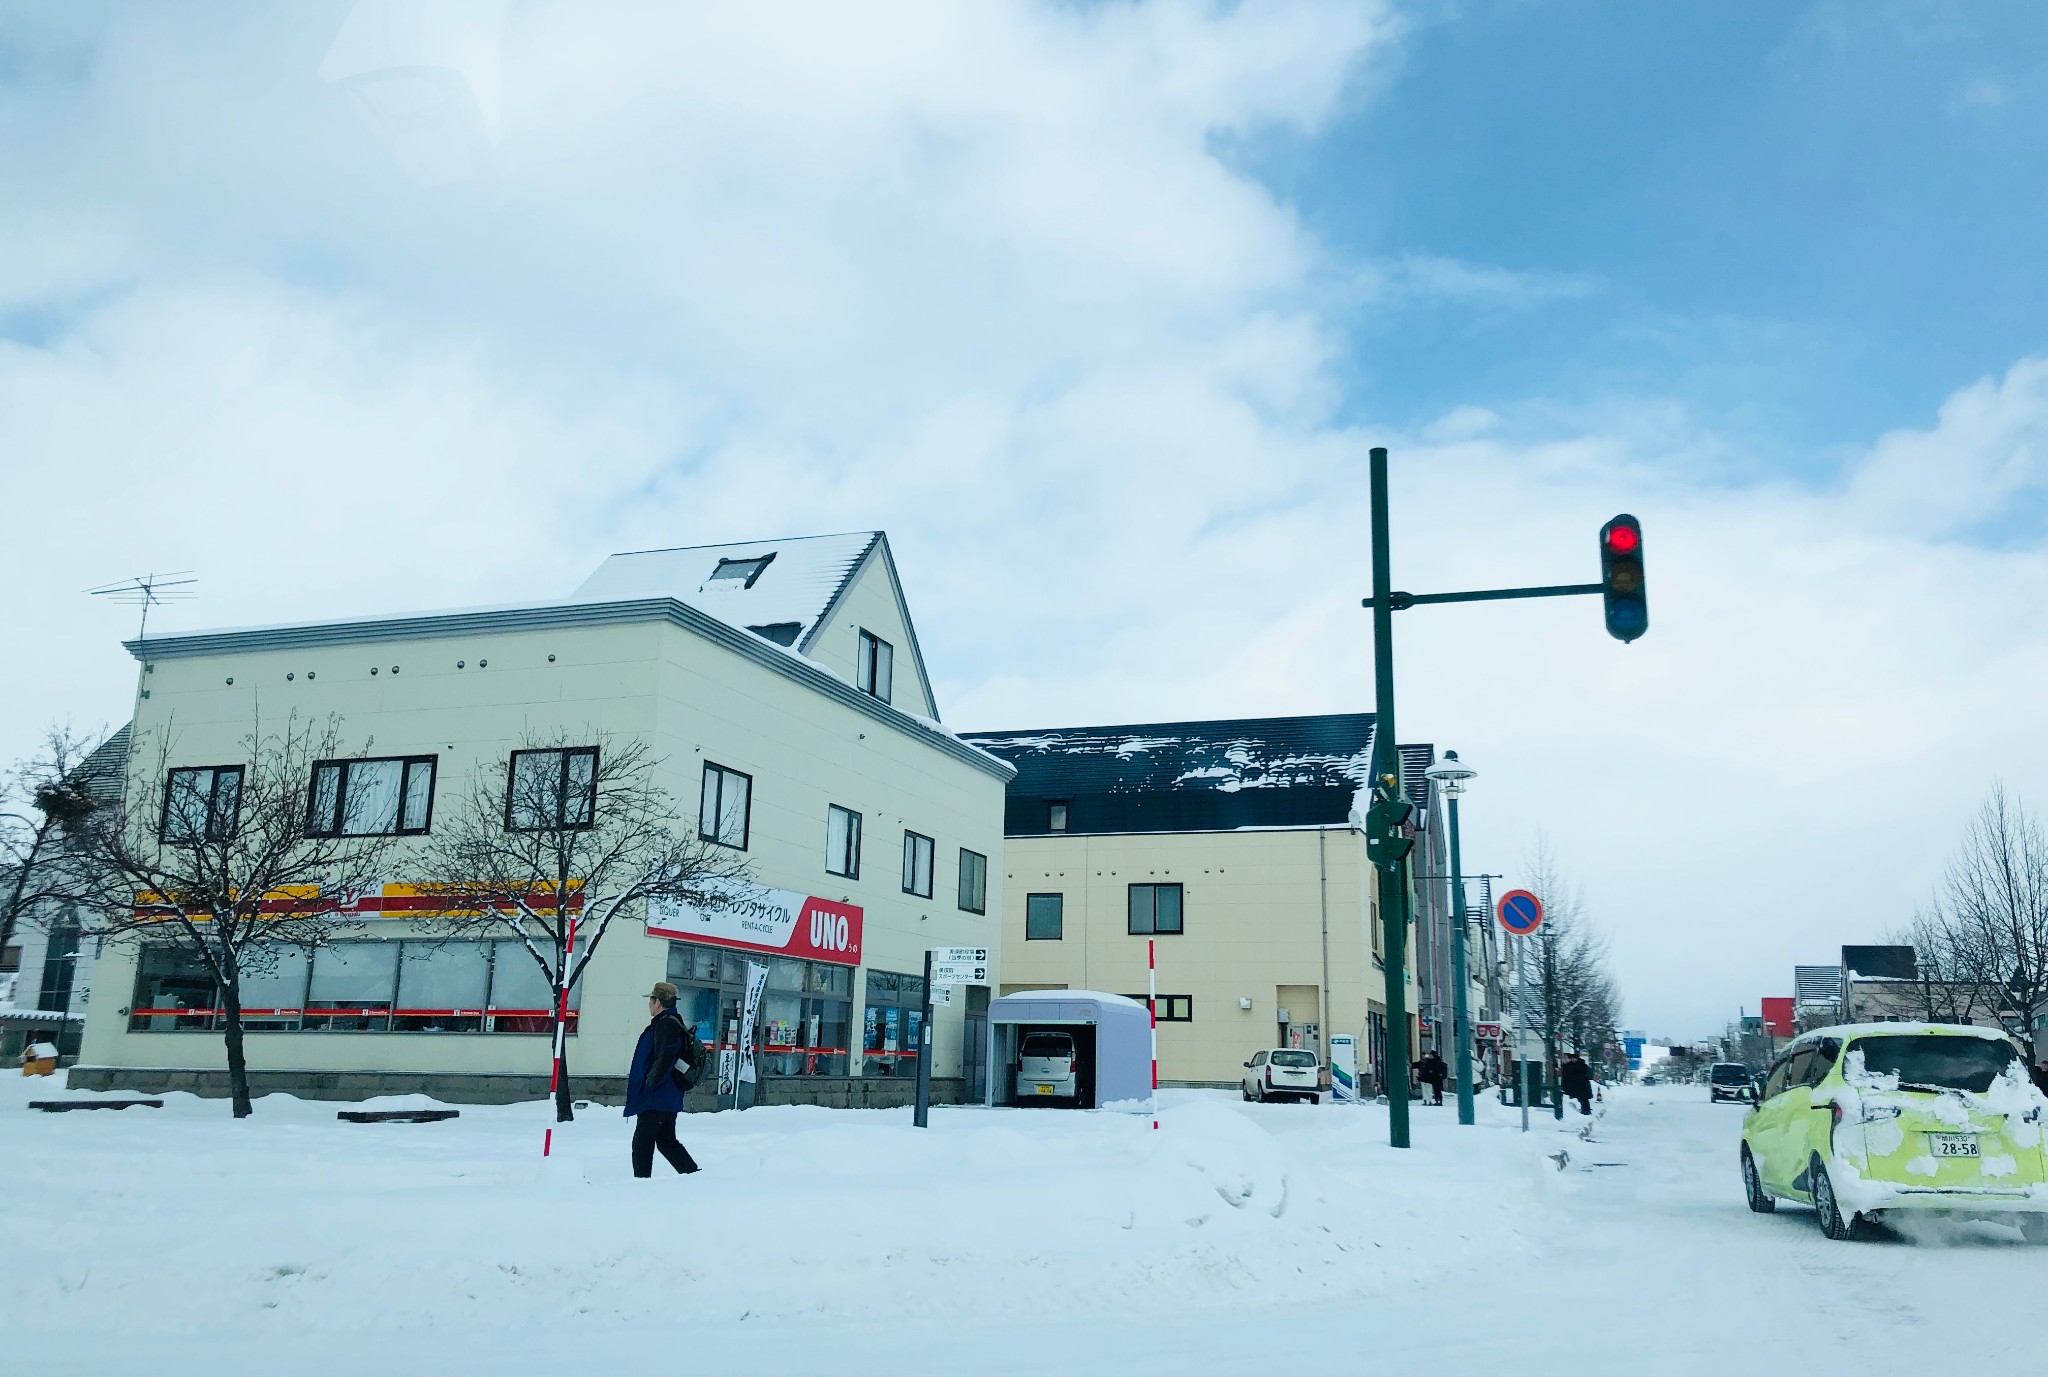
(238, 1064)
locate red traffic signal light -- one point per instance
(1621, 578)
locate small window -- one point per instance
(1155, 910)
(1172, 1008)
(842, 842)
(552, 788)
(371, 798)
(741, 571)
(10, 959)
(1044, 917)
(726, 807)
(1056, 817)
(202, 804)
(782, 633)
(917, 864)
(973, 881)
(875, 670)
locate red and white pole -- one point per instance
(547, 1142)
(1152, 1007)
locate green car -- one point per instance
(1872, 1119)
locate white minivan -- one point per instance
(1048, 1068)
(1283, 1073)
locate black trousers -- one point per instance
(653, 1130)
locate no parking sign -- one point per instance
(1520, 912)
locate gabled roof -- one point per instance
(781, 589)
(1186, 776)
(104, 773)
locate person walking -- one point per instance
(666, 1061)
(1575, 1078)
(1434, 1071)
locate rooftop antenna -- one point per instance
(149, 590)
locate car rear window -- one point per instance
(1926, 1062)
(1299, 1061)
(1731, 1075)
(1048, 1045)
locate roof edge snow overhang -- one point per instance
(554, 616)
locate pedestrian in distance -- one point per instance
(667, 1061)
(1434, 1071)
(1575, 1078)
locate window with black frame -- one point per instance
(549, 789)
(842, 842)
(201, 803)
(1155, 910)
(1044, 917)
(725, 806)
(917, 864)
(389, 797)
(973, 881)
(875, 671)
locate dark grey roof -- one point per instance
(104, 773)
(1187, 776)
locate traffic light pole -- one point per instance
(1393, 877)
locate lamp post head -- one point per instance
(1452, 773)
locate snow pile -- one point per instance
(181, 1220)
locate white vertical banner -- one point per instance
(757, 977)
(1344, 1068)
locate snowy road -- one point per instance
(177, 1242)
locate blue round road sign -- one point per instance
(1521, 912)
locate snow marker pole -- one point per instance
(1152, 1008)
(547, 1141)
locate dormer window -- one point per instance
(1056, 816)
(782, 633)
(875, 669)
(742, 571)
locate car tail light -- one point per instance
(1835, 1112)
(1072, 1064)
(1269, 1073)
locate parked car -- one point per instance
(1048, 1068)
(1283, 1073)
(1730, 1080)
(1871, 1119)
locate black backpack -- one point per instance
(690, 1059)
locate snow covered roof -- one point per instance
(1187, 776)
(780, 589)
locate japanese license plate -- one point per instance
(1952, 1145)
(1047, 1090)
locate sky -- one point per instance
(1097, 309)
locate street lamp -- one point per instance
(1452, 773)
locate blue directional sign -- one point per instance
(1520, 912)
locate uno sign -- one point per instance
(779, 921)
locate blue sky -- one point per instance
(367, 306)
(1805, 223)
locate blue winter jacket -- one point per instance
(650, 1088)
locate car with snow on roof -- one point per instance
(1872, 1120)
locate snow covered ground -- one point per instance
(176, 1241)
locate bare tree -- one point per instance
(1577, 1001)
(44, 802)
(218, 863)
(575, 829)
(1990, 921)
(1952, 965)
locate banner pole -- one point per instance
(1152, 1008)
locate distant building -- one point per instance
(1232, 845)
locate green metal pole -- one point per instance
(1393, 880)
(1459, 1014)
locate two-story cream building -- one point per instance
(1234, 848)
(781, 687)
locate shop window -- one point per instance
(274, 988)
(552, 789)
(520, 994)
(917, 864)
(174, 990)
(1044, 917)
(442, 987)
(842, 842)
(202, 804)
(973, 881)
(353, 987)
(371, 798)
(725, 807)
(805, 1020)
(892, 1024)
(875, 669)
(1155, 909)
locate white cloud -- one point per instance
(973, 274)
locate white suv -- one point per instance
(1283, 1073)
(1048, 1068)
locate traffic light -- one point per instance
(1387, 839)
(1621, 578)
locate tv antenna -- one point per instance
(149, 590)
